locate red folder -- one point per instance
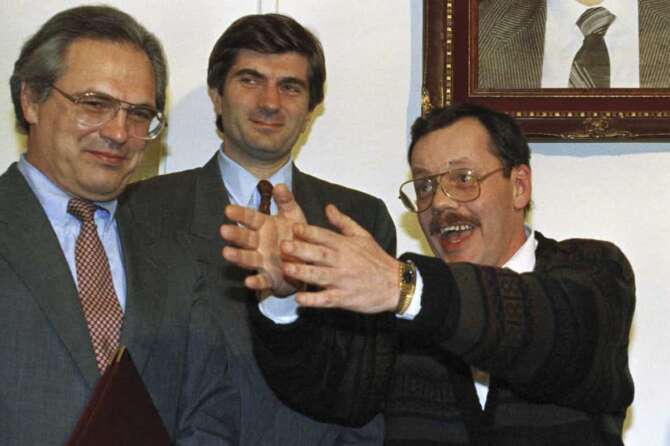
(120, 412)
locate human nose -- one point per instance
(441, 200)
(116, 128)
(270, 98)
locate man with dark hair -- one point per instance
(546, 323)
(78, 279)
(266, 75)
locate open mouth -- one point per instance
(455, 230)
(454, 236)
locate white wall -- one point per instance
(613, 191)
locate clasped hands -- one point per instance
(349, 269)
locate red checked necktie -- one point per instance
(96, 290)
(265, 189)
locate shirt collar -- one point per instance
(523, 260)
(54, 200)
(571, 10)
(241, 184)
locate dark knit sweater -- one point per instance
(554, 340)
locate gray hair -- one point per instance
(41, 61)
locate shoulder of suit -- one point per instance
(502, 19)
(333, 190)
(577, 252)
(162, 187)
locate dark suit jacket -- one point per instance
(511, 43)
(47, 365)
(193, 201)
(555, 342)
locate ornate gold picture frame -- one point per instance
(450, 74)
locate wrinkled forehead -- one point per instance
(116, 68)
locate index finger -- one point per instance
(317, 235)
(245, 216)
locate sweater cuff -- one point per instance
(440, 300)
(276, 337)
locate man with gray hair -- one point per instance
(78, 280)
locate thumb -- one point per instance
(286, 204)
(343, 222)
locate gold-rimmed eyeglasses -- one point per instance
(461, 185)
(96, 109)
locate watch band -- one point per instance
(407, 283)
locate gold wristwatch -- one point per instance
(407, 283)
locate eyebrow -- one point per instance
(282, 80)
(107, 95)
(421, 173)
(248, 72)
(294, 81)
(460, 161)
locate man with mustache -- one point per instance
(266, 76)
(78, 279)
(545, 322)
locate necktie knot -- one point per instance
(84, 210)
(265, 189)
(595, 21)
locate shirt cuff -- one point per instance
(280, 310)
(415, 304)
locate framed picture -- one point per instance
(466, 58)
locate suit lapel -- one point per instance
(145, 289)
(210, 201)
(521, 34)
(309, 199)
(29, 244)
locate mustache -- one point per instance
(448, 219)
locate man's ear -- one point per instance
(307, 123)
(215, 96)
(29, 104)
(522, 185)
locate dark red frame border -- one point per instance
(450, 74)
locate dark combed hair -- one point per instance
(268, 34)
(42, 58)
(508, 142)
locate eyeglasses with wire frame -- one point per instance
(96, 109)
(461, 185)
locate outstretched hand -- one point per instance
(352, 271)
(255, 241)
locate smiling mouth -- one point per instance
(267, 124)
(455, 230)
(108, 158)
(454, 237)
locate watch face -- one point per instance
(408, 275)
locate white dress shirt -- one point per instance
(563, 39)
